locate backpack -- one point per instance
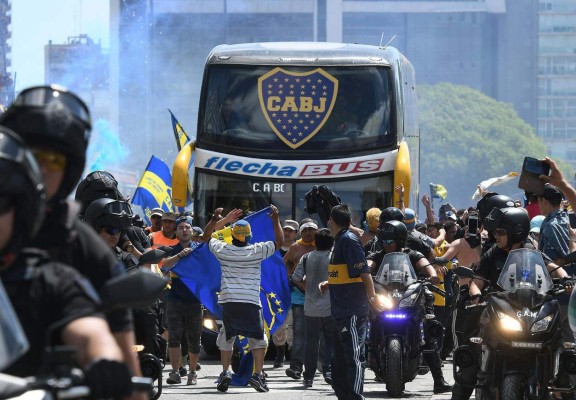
(320, 200)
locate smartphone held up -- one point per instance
(530, 180)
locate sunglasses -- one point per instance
(51, 160)
(500, 232)
(155, 217)
(111, 231)
(6, 204)
(388, 241)
(41, 96)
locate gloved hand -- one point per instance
(568, 284)
(108, 379)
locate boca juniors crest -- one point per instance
(297, 104)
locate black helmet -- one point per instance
(21, 187)
(491, 200)
(97, 185)
(52, 117)
(390, 214)
(393, 230)
(515, 220)
(109, 212)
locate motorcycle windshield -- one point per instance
(13, 343)
(525, 269)
(396, 268)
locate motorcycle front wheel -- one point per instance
(513, 388)
(394, 380)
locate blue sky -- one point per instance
(35, 22)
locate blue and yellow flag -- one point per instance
(438, 191)
(154, 189)
(179, 133)
(201, 273)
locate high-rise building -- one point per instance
(81, 66)
(557, 77)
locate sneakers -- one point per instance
(258, 382)
(198, 367)
(328, 377)
(173, 378)
(308, 383)
(182, 371)
(293, 373)
(278, 364)
(192, 379)
(223, 381)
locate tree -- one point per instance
(467, 137)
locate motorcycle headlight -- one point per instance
(541, 325)
(385, 301)
(210, 324)
(408, 301)
(508, 323)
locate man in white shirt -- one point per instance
(241, 264)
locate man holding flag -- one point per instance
(241, 264)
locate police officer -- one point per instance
(56, 125)
(49, 298)
(110, 218)
(509, 227)
(393, 235)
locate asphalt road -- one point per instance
(284, 388)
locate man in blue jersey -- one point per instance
(351, 294)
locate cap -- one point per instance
(450, 215)
(308, 225)
(552, 193)
(241, 231)
(183, 219)
(409, 218)
(169, 216)
(291, 224)
(157, 211)
(535, 223)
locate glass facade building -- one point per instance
(557, 77)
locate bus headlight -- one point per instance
(508, 323)
(541, 325)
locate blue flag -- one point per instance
(201, 273)
(154, 189)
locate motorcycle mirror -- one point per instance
(137, 289)
(151, 257)
(11, 386)
(463, 272)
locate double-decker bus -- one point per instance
(275, 119)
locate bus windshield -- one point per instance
(252, 194)
(333, 109)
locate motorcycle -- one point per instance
(522, 354)
(396, 336)
(63, 380)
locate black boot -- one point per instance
(440, 385)
(279, 361)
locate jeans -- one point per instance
(316, 326)
(299, 342)
(349, 359)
